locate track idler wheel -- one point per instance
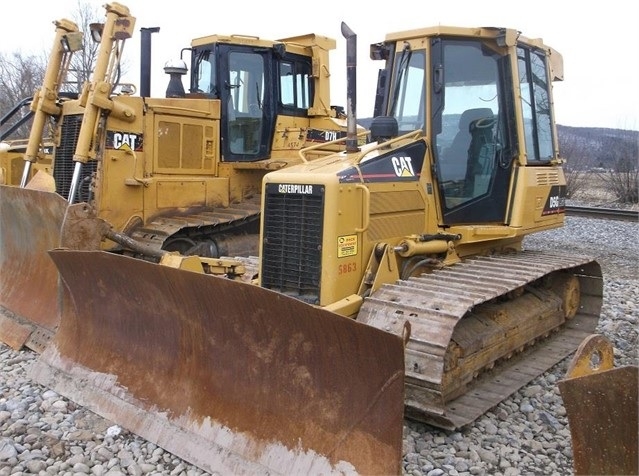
(568, 289)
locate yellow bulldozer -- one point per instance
(180, 173)
(43, 108)
(392, 280)
(13, 148)
(12, 161)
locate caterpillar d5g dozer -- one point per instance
(179, 173)
(418, 234)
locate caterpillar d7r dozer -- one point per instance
(418, 234)
(180, 173)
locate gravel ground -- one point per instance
(527, 434)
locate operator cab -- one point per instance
(469, 116)
(254, 84)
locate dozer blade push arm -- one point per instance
(96, 94)
(68, 39)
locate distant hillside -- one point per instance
(588, 146)
(597, 147)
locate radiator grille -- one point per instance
(64, 164)
(292, 248)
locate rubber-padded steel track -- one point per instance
(436, 303)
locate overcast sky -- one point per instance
(598, 41)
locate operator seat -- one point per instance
(455, 158)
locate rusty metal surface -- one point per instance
(601, 404)
(30, 224)
(443, 310)
(594, 354)
(231, 377)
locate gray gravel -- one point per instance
(527, 434)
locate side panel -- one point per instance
(540, 198)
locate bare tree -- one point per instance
(21, 76)
(623, 179)
(576, 153)
(83, 61)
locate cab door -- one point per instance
(247, 93)
(472, 117)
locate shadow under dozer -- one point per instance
(231, 377)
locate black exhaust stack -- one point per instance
(145, 60)
(351, 87)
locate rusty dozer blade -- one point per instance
(30, 223)
(231, 377)
(601, 404)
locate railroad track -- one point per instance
(603, 213)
